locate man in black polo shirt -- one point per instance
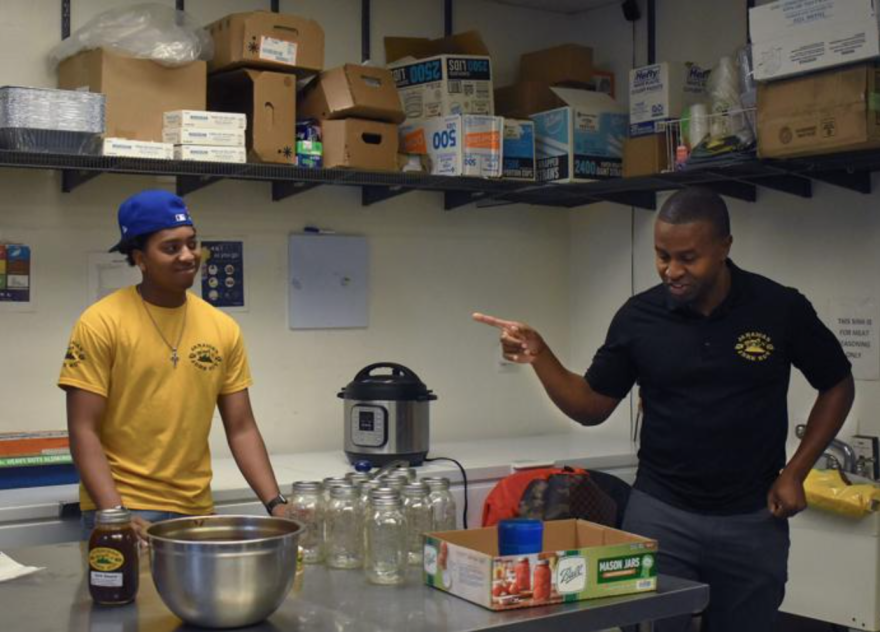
(711, 349)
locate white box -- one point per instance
(444, 85)
(210, 154)
(458, 145)
(790, 37)
(204, 119)
(660, 92)
(518, 150)
(138, 149)
(582, 141)
(204, 136)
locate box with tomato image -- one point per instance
(579, 560)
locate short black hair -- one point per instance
(697, 204)
(135, 243)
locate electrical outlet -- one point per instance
(868, 447)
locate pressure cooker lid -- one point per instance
(400, 384)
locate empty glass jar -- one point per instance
(442, 503)
(419, 519)
(385, 556)
(343, 529)
(307, 507)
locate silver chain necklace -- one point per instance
(174, 357)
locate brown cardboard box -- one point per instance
(360, 144)
(568, 65)
(353, 91)
(272, 41)
(821, 113)
(467, 43)
(138, 91)
(525, 98)
(645, 156)
(269, 101)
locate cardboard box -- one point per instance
(659, 93)
(518, 150)
(210, 154)
(466, 145)
(444, 77)
(603, 81)
(201, 119)
(523, 99)
(123, 147)
(582, 141)
(580, 560)
(353, 91)
(204, 136)
(360, 144)
(569, 65)
(827, 112)
(138, 91)
(267, 40)
(645, 156)
(268, 99)
(791, 37)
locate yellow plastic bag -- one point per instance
(829, 490)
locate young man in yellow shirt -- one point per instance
(145, 368)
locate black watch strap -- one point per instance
(280, 499)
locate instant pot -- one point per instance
(386, 415)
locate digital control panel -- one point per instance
(369, 426)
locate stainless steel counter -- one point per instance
(57, 599)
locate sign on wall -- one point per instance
(854, 322)
(15, 273)
(223, 273)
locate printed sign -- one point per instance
(15, 273)
(223, 273)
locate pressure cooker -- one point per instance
(386, 415)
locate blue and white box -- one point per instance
(458, 145)
(444, 85)
(659, 93)
(582, 141)
(518, 150)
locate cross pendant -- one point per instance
(174, 357)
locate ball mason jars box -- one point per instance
(580, 560)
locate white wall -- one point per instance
(430, 268)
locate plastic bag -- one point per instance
(828, 490)
(727, 118)
(146, 31)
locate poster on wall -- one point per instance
(15, 274)
(854, 322)
(223, 274)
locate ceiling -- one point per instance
(561, 6)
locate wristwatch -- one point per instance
(280, 499)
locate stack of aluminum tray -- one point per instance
(54, 121)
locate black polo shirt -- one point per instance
(714, 389)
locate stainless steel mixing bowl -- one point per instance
(224, 571)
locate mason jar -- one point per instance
(329, 483)
(419, 519)
(307, 506)
(385, 556)
(357, 478)
(443, 508)
(343, 529)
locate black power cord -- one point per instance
(464, 484)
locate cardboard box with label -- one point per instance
(360, 144)
(791, 37)
(568, 65)
(582, 141)
(525, 98)
(466, 145)
(444, 77)
(268, 99)
(580, 560)
(659, 93)
(518, 150)
(138, 91)
(122, 147)
(200, 119)
(832, 111)
(352, 91)
(645, 156)
(267, 40)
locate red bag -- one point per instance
(504, 499)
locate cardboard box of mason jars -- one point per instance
(580, 560)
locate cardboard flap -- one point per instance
(588, 100)
(467, 43)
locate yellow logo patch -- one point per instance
(754, 346)
(105, 560)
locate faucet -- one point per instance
(843, 448)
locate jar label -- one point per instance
(106, 559)
(113, 580)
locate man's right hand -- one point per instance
(519, 342)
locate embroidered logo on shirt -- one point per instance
(75, 355)
(205, 356)
(754, 346)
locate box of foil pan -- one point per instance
(518, 152)
(122, 147)
(210, 154)
(53, 121)
(204, 119)
(204, 136)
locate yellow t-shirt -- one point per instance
(157, 420)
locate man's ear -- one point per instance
(138, 256)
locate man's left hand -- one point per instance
(786, 498)
(281, 510)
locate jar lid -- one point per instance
(308, 486)
(402, 384)
(116, 515)
(343, 491)
(436, 482)
(520, 536)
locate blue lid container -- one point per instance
(520, 536)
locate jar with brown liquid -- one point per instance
(113, 558)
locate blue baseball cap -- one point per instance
(150, 211)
